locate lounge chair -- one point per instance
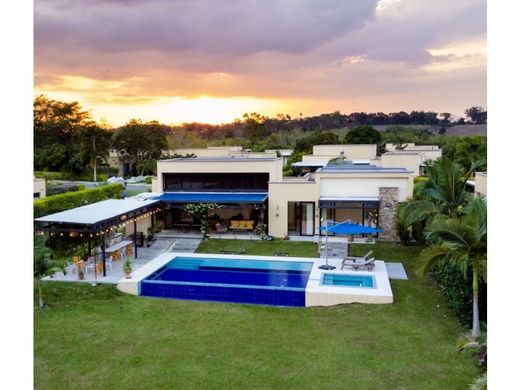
(356, 262)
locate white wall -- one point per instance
(350, 151)
(367, 186)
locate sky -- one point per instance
(211, 61)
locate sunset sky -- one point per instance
(210, 61)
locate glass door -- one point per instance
(307, 218)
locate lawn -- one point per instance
(257, 247)
(100, 338)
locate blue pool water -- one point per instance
(279, 283)
(364, 281)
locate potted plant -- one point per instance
(81, 270)
(127, 267)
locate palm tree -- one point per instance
(444, 194)
(463, 243)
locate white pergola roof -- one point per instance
(98, 212)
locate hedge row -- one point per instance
(70, 200)
(458, 292)
(69, 176)
(62, 189)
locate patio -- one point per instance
(145, 255)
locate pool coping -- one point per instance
(315, 293)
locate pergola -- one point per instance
(98, 219)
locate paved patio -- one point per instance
(144, 256)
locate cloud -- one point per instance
(404, 50)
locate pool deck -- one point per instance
(315, 294)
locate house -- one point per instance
(39, 188)
(254, 189)
(412, 157)
(123, 163)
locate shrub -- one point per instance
(69, 200)
(63, 188)
(148, 180)
(459, 293)
(87, 176)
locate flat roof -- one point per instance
(219, 159)
(98, 212)
(360, 168)
(308, 164)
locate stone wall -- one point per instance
(388, 213)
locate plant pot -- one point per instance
(128, 273)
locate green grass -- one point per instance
(89, 338)
(261, 248)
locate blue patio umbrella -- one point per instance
(346, 227)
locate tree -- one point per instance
(57, 128)
(363, 135)
(50, 157)
(94, 145)
(463, 243)
(200, 211)
(44, 266)
(316, 138)
(141, 141)
(477, 115)
(471, 149)
(443, 194)
(445, 117)
(256, 127)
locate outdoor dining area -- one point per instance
(97, 239)
(92, 263)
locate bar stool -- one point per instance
(128, 250)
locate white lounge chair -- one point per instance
(355, 262)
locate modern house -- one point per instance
(123, 163)
(254, 190)
(350, 182)
(412, 157)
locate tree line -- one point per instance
(67, 139)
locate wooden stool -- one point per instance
(128, 250)
(117, 256)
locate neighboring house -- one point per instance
(254, 190)
(412, 157)
(283, 153)
(39, 188)
(481, 184)
(322, 154)
(123, 163)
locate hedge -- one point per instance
(56, 203)
(458, 292)
(63, 188)
(88, 176)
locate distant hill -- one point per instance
(458, 130)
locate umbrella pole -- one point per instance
(327, 266)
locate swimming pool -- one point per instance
(348, 280)
(267, 282)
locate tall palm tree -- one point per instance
(463, 243)
(443, 194)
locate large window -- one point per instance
(215, 181)
(364, 213)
